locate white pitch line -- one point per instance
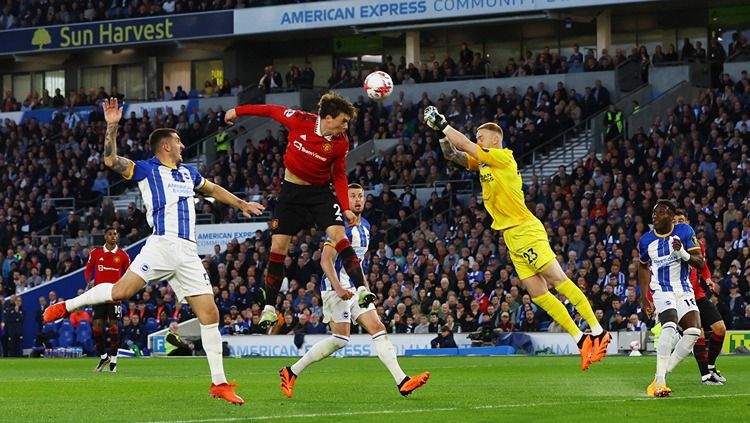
(429, 410)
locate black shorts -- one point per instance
(709, 313)
(301, 206)
(111, 312)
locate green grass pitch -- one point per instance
(461, 389)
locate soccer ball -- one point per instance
(378, 85)
(635, 347)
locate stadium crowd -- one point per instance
(82, 98)
(444, 266)
(33, 13)
(48, 171)
(470, 64)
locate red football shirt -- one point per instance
(705, 274)
(309, 155)
(109, 265)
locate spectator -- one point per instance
(506, 325)
(175, 346)
(77, 316)
(529, 323)
(444, 339)
(271, 80)
(13, 322)
(101, 184)
(315, 327)
(635, 324)
(743, 322)
(423, 326)
(134, 333)
(619, 323)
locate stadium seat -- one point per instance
(51, 328)
(151, 325)
(84, 336)
(65, 332)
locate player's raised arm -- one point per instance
(458, 140)
(327, 259)
(249, 208)
(119, 164)
(278, 113)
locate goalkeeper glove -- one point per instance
(435, 120)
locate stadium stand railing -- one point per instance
(645, 116)
(575, 143)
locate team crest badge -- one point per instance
(274, 223)
(117, 259)
(327, 147)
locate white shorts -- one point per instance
(342, 311)
(175, 260)
(682, 303)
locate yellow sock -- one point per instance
(557, 311)
(581, 303)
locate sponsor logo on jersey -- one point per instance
(102, 268)
(486, 177)
(298, 145)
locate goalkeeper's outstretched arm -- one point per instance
(456, 139)
(451, 153)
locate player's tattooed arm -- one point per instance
(451, 153)
(119, 164)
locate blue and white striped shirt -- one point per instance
(359, 237)
(168, 194)
(669, 273)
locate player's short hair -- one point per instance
(668, 204)
(157, 135)
(334, 104)
(492, 126)
(110, 228)
(680, 212)
(355, 185)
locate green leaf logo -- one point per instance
(41, 38)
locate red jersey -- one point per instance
(109, 265)
(705, 274)
(309, 155)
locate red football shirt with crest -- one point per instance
(108, 265)
(309, 155)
